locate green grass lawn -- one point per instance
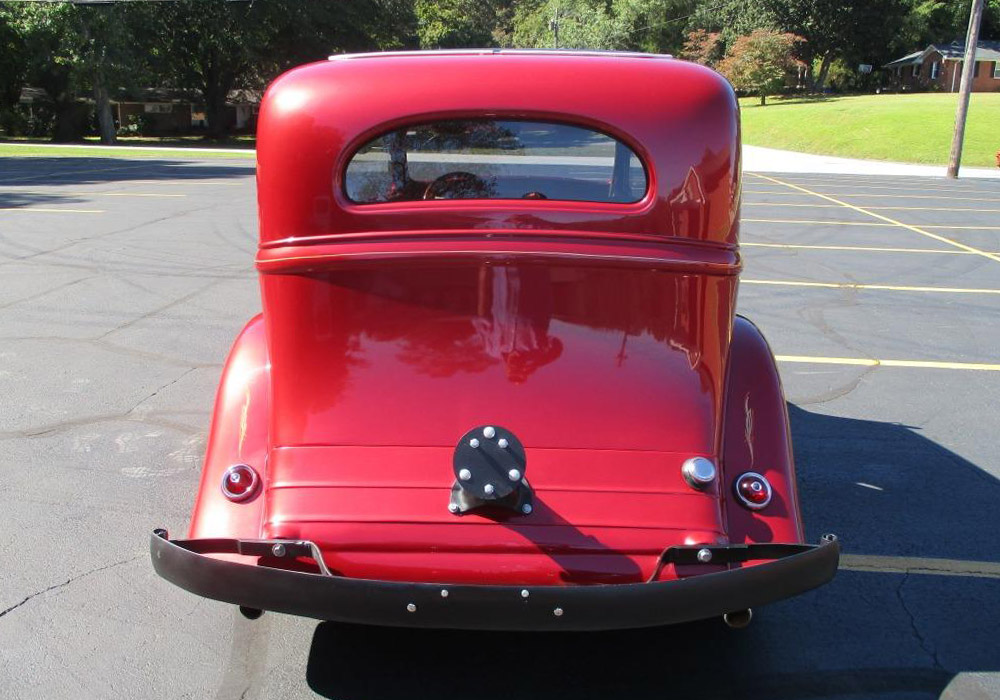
(130, 147)
(905, 128)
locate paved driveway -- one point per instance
(122, 284)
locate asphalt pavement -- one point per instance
(124, 282)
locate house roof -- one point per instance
(985, 50)
(908, 59)
(955, 51)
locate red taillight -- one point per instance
(239, 482)
(753, 490)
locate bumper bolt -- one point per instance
(558, 612)
(502, 443)
(526, 509)
(525, 593)
(452, 507)
(474, 442)
(410, 607)
(704, 555)
(278, 550)
(444, 592)
(514, 475)
(464, 474)
(489, 432)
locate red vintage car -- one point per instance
(498, 382)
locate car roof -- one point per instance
(602, 53)
(680, 118)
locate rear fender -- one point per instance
(756, 438)
(238, 436)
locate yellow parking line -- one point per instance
(882, 287)
(919, 565)
(833, 222)
(124, 194)
(868, 196)
(871, 362)
(813, 221)
(53, 211)
(808, 205)
(876, 208)
(915, 229)
(107, 194)
(872, 184)
(181, 182)
(866, 186)
(870, 249)
(963, 228)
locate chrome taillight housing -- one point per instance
(240, 482)
(752, 490)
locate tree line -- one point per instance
(211, 47)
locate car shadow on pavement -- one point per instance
(69, 171)
(884, 626)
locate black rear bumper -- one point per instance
(795, 569)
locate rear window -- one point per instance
(495, 159)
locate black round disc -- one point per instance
(489, 463)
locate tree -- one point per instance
(859, 31)
(759, 62)
(70, 50)
(584, 24)
(13, 57)
(112, 52)
(212, 46)
(703, 47)
(456, 23)
(216, 46)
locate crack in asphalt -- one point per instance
(924, 644)
(160, 309)
(68, 581)
(154, 418)
(157, 391)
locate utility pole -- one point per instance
(554, 26)
(968, 67)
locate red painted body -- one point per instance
(602, 334)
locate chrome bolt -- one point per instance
(278, 550)
(526, 509)
(704, 555)
(489, 432)
(464, 474)
(488, 489)
(558, 612)
(444, 592)
(525, 593)
(514, 475)
(410, 607)
(453, 507)
(473, 443)
(502, 442)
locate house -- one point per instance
(939, 67)
(163, 111)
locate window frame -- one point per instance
(639, 153)
(935, 70)
(996, 70)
